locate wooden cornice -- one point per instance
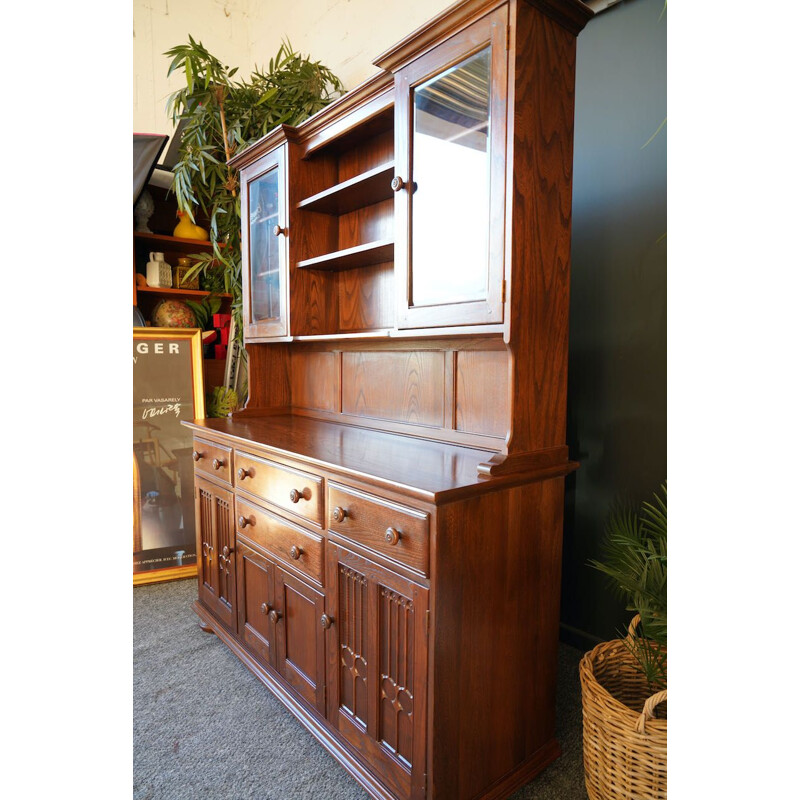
(278, 135)
(571, 14)
(453, 19)
(356, 97)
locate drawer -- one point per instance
(295, 491)
(213, 459)
(396, 532)
(280, 538)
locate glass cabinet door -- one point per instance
(264, 247)
(451, 180)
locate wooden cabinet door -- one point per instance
(377, 664)
(450, 143)
(255, 576)
(300, 637)
(265, 286)
(216, 573)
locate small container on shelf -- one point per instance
(178, 275)
(159, 273)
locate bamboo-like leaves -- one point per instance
(289, 91)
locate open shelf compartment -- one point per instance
(363, 255)
(366, 189)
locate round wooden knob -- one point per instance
(196, 456)
(242, 473)
(295, 496)
(278, 231)
(392, 536)
(244, 522)
(217, 463)
(275, 615)
(339, 513)
(295, 552)
(398, 183)
(326, 621)
(265, 609)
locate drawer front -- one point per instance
(280, 538)
(213, 459)
(396, 532)
(295, 491)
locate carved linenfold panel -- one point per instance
(396, 710)
(205, 523)
(225, 560)
(353, 643)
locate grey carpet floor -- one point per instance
(205, 727)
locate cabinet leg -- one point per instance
(205, 627)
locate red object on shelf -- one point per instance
(209, 337)
(224, 333)
(220, 351)
(221, 320)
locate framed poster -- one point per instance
(167, 388)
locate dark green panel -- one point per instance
(617, 415)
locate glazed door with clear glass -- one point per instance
(264, 247)
(450, 180)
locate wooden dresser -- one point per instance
(379, 530)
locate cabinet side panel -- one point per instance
(541, 204)
(495, 627)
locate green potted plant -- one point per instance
(222, 116)
(624, 682)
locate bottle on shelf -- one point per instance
(159, 273)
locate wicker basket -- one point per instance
(624, 745)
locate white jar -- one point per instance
(159, 273)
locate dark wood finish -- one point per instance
(300, 638)
(289, 489)
(279, 325)
(365, 189)
(280, 538)
(213, 459)
(173, 244)
(256, 600)
(216, 572)
(362, 255)
(377, 656)
(396, 532)
(395, 512)
(401, 386)
(489, 30)
(520, 595)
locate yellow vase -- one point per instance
(186, 229)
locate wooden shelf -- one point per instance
(366, 189)
(178, 292)
(173, 243)
(363, 255)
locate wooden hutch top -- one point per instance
(428, 309)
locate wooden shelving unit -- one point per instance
(173, 243)
(178, 292)
(362, 255)
(363, 190)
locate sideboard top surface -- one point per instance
(429, 470)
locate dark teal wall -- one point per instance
(617, 416)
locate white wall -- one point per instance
(345, 35)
